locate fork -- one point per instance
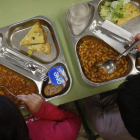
(35, 71)
(125, 42)
(29, 66)
(9, 91)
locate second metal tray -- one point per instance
(85, 31)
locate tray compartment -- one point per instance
(18, 31)
(66, 86)
(25, 77)
(94, 38)
(78, 30)
(128, 24)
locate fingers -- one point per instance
(31, 102)
(22, 98)
(134, 39)
(138, 47)
(37, 96)
(27, 99)
(25, 106)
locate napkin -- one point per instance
(117, 30)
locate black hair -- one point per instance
(129, 104)
(12, 123)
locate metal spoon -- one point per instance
(110, 64)
(8, 91)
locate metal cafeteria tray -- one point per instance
(86, 31)
(11, 37)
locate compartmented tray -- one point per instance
(86, 31)
(11, 37)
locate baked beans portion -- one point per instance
(93, 54)
(16, 83)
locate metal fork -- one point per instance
(8, 91)
(125, 42)
(35, 71)
(29, 66)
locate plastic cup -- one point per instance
(79, 12)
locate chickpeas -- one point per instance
(92, 54)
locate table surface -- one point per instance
(12, 11)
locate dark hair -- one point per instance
(12, 123)
(129, 104)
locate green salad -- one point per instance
(112, 11)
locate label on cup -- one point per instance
(57, 75)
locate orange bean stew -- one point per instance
(16, 83)
(93, 54)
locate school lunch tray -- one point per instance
(86, 31)
(12, 35)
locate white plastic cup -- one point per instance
(79, 12)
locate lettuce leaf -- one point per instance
(112, 11)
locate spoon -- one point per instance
(8, 91)
(110, 64)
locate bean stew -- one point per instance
(16, 83)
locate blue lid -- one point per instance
(57, 75)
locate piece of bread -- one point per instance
(132, 12)
(44, 48)
(51, 89)
(35, 36)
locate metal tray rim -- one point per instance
(75, 39)
(60, 57)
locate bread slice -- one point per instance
(44, 48)
(51, 89)
(35, 36)
(132, 11)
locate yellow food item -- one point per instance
(35, 36)
(44, 48)
(132, 12)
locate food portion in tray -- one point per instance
(118, 12)
(58, 82)
(51, 89)
(92, 54)
(36, 40)
(58, 77)
(15, 83)
(44, 48)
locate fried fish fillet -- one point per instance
(35, 36)
(132, 12)
(44, 48)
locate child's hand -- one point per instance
(134, 39)
(31, 102)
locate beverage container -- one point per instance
(79, 12)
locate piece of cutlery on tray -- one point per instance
(113, 35)
(27, 65)
(8, 90)
(110, 64)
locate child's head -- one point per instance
(129, 104)
(12, 123)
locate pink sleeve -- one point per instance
(51, 112)
(66, 124)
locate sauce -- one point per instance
(16, 83)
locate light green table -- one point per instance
(12, 11)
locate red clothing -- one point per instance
(53, 123)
